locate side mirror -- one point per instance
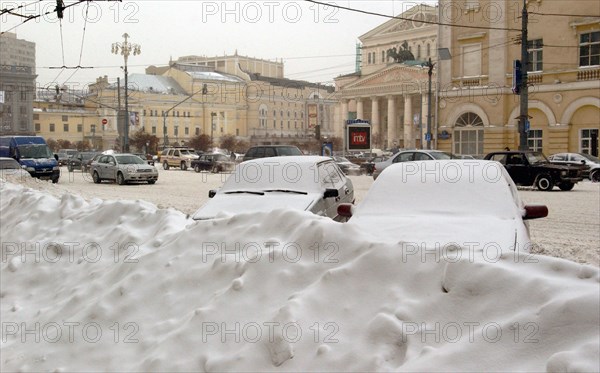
(535, 212)
(212, 193)
(56, 157)
(583, 161)
(330, 193)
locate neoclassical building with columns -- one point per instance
(393, 96)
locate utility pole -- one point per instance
(524, 94)
(125, 49)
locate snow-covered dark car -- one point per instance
(123, 168)
(435, 203)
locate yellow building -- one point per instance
(477, 109)
(65, 117)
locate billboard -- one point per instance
(313, 116)
(358, 135)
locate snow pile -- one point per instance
(123, 286)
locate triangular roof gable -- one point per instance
(394, 25)
(394, 74)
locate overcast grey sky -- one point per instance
(316, 43)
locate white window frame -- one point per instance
(535, 140)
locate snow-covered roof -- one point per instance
(153, 83)
(213, 75)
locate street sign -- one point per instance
(428, 136)
(104, 121)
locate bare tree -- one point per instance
(140, 138)
(201, 142)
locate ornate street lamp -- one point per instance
(125, 49)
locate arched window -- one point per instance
(418, 52)
(428, 50)
(468, 135)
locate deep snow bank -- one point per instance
(124, 286)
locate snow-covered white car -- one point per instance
(469, 203)
(308, 183)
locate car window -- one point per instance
(403, 157)
(329, 174)
(559, 157)
(441, 155)
(577, 158)
(422, 157)
(270, 152)
(499, 158)
(251, 152)
(289, 150)
(516, 159)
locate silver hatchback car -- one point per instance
(123, 168)
(408, 156)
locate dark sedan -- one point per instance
(81, 161)
(216, 162)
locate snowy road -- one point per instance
(571, 231)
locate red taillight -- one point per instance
(535, 212)
(345, 210)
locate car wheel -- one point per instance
(595, 176)
(151, 182)
(566, 186)
(70, 168)
(197, 168)
(545, 183)
(83, 168)
(165, 165)
(96, 177)
(183, 166)
(120, 179)
(54, 180)
(215, 169)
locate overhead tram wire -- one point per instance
(82, 43)
(411, 19)
(29, 18)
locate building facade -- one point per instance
(17, 84)
(478, 111)
(390, 93)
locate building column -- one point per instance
(391, 130)
(360, 110)
(409, 138)
(375, 127)
(344, 111)
(423, 120)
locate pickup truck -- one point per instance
(531, 168)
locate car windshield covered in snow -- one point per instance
(129, 159)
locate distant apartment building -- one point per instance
(17, 84)
(478, 111)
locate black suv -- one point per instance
(263, 151)
(530, 168)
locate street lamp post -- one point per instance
(125, 49)
(428, 136)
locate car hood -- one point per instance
(137, 167)
(476, 233)
(230, 204)
(38, 162)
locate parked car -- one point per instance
(146, 157)
(123, 168)
(368, 166)
(307, 183)
(346, 166)
(216, 162)
(64, 155)
(178, 157)
(592, 171)
(434, 203)
(408, 156)
(263, 151)
(531, 168)
(80, 161)
(9, 166)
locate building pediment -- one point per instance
(394, 75)
(409, 20)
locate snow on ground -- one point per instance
(89, 284)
